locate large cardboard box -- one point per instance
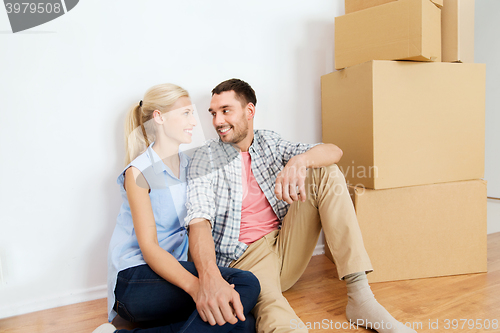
(402, 123)
(398, 30)
(423, 231)
(356, 5)
(457, 34)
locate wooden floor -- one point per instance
(319, 297)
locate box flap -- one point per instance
(357, 5)
(399, 30)
(458, 31)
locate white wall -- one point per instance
(487, 51)
(66, 85)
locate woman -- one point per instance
(149, 278)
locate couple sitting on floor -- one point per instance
(253, 205)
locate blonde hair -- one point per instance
(139, 129)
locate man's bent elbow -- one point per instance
(339, 154)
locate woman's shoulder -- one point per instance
(141, 162)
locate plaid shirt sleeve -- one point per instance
(289, 149)
(200, 194)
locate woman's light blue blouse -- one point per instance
(168, 199)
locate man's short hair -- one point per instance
(244, 93)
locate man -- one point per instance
(264, 200)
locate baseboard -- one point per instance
(319, 249)
(74, 297)
(79, 296)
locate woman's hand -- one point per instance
(193, 289)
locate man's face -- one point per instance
(229, 117)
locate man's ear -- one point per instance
(250, 109)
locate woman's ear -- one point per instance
(158, 117)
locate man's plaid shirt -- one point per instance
(214, 190)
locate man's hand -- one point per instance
(217, 302)
(290, 181)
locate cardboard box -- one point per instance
(402, 123)
(356, 5)
(399, 30)
(457, 31)
(423, 231)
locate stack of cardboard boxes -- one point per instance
(412, 133)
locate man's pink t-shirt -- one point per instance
(257, 215)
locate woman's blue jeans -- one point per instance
(145, 297)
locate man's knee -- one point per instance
(332, 170)
(325, 178)
(329, 171)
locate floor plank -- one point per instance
(319, 297)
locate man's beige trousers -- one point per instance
(279, 258)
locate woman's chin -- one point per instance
(184, 140)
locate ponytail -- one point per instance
(142, 125)
(135, 142)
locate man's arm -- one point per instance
(217, 301)
(290, 181)
(321, 155)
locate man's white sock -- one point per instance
(364, 310)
